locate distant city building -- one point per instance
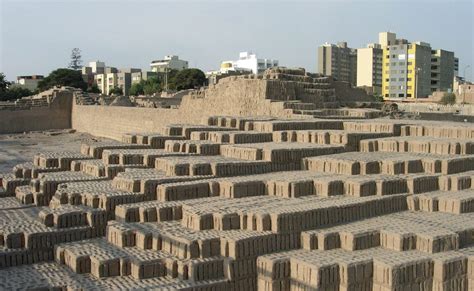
(338, 61)
(116, 79)
(93, 68)
(414, 70)
(139, 76)
(28, 82)
(97, 67)
(107, 78)
(443, 70)
(168, 62)
(369, 67)
(213, 77)
(456, 66)
(248, 61)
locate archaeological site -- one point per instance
(281, 181)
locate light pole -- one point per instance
(417, 70)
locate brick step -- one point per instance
(419, 145)
(232, 137)
(367, 163)
(200, 147)
(154, 140)
(144, 157)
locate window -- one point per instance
(402, 71)
(408, 79)
(409, 87)
(401, 95)
(401, 63)
(386, 95)
(408, 95)
(386, 80)
(401, 79)
(410, 63)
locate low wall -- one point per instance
(465, 109)
(445, 116)
(55, 116)
(114, 121)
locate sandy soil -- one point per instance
(19, 148)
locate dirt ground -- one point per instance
(19, 148)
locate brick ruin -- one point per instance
(249, 202)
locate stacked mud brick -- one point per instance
(243, 203)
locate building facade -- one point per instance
(443, 70)
(137, 77)
(28, 82)
(406, 70)
(413, 70)
(369, 67)
(249, 61)
(338, 61)
(115, 79)
(169, 62)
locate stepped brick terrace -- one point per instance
(323, 198)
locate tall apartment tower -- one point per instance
(443, 70)
(369, 67)
(414, 70)
(406, 70)
(338, 61)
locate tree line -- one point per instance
(72, 77)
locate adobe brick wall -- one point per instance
(55, 116)
(244, 97)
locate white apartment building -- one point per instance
(97, 67)
(369, 67)
(168, 62)
(248, 62)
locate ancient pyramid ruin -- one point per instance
(247, 202)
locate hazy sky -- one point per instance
(37, 36)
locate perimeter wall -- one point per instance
(55, 116)
(243, 97)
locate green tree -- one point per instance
(151, 86)
(136, 89)
(93, 89)
(14, 93)
(188, 79)
(63, 77)
(116, 91)
(76, 59)
(4, 83)
(378, 98)
(448, 98)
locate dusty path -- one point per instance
(18, 148)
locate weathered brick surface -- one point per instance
(246, 203)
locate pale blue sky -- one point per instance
(37, 36)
